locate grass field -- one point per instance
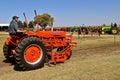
(95, 58)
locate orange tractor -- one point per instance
(35, 48)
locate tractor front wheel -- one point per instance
(30, 53)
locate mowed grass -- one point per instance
(88, 42)
(95, 58)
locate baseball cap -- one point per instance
(15, 17)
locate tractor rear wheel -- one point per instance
(114, 31)
(30, 54)
(6, 51)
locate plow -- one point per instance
(38, 47)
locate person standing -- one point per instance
(99, 31)
(79, 32)
(115, 25)
(112, 25)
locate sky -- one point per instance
(65, 12)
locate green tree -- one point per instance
(44, 20)
(31, 24)
(20, 24)
(24, 25)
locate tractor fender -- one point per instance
(8, 40)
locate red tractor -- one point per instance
(32, 50)
(35, 48)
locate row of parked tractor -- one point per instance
(105, 29)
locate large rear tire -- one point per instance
(114, 31)
(30, 54)
(6, 51)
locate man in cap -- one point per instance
(13, 28)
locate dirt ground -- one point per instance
(2, 64)
(95, 58)
(108, 50)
